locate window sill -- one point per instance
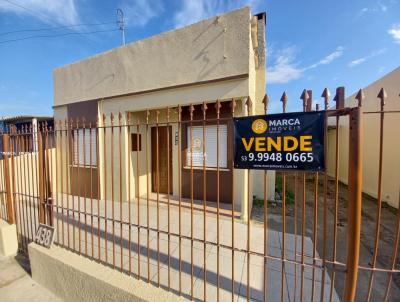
(206, 168)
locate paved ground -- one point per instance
(17, 285)
(122, 251)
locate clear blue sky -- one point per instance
(310, 44)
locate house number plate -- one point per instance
(44, 235)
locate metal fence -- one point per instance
(116, 192)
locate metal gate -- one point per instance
(99, 186)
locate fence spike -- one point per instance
(112, 118)
(382, 95)
(309, 101)
(304, 96)
(191, 110)
(249, 103)
(265, 101)
(204, 108)
(218, 106)
(284, 100)
(233, 105)
(326, 95)
(359, 97)
(104, 120)
(157, 115)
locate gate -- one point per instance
(116, 193)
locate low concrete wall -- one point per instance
(75, 278)
(8, 239)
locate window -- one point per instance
(83, 143)
(136, 140)
(195, 137)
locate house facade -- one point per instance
(161, 84)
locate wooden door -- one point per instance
(161, 161)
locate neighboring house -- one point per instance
(221, 58)
(391, 142)
(19, 124)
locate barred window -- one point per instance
(195, 145)
(85, 147)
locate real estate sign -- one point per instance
(287, 141)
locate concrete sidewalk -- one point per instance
(17, 285)
(123, 247)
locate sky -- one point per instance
(311, 44)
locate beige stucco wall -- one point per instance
(391, 143)
(75, 278)
(212, 49)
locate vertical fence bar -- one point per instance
(180, 195)
(382, 95)
(42, 210)
(158, 194)
(23, 180)
(74, 154)
(138, 146)
(168, 203)
(128, 122)
(354, 200)
(14, 179)
(112, 188)
(218, 108)
(120, 190)
(325, 95)
(204, 108)
(129, 198)
(147, 195)
(30, 181)
(91, 185)
(98, 187)
(22, 191)
(105, 188)
(60, 131)
(284, 100)
(233, 105)
(56, 179)
(83, 176)
(68, 161)
(339, 99)
(191, 110)
(6, 149)
(78, 182)
(249, 201)
(315, 225)
(304, 97)
(265, 228)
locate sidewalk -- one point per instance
(17, 285)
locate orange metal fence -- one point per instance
(107, 189)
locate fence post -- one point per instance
(354, 202)
(7, 177)
(41, 184)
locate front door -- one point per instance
(161, 161)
